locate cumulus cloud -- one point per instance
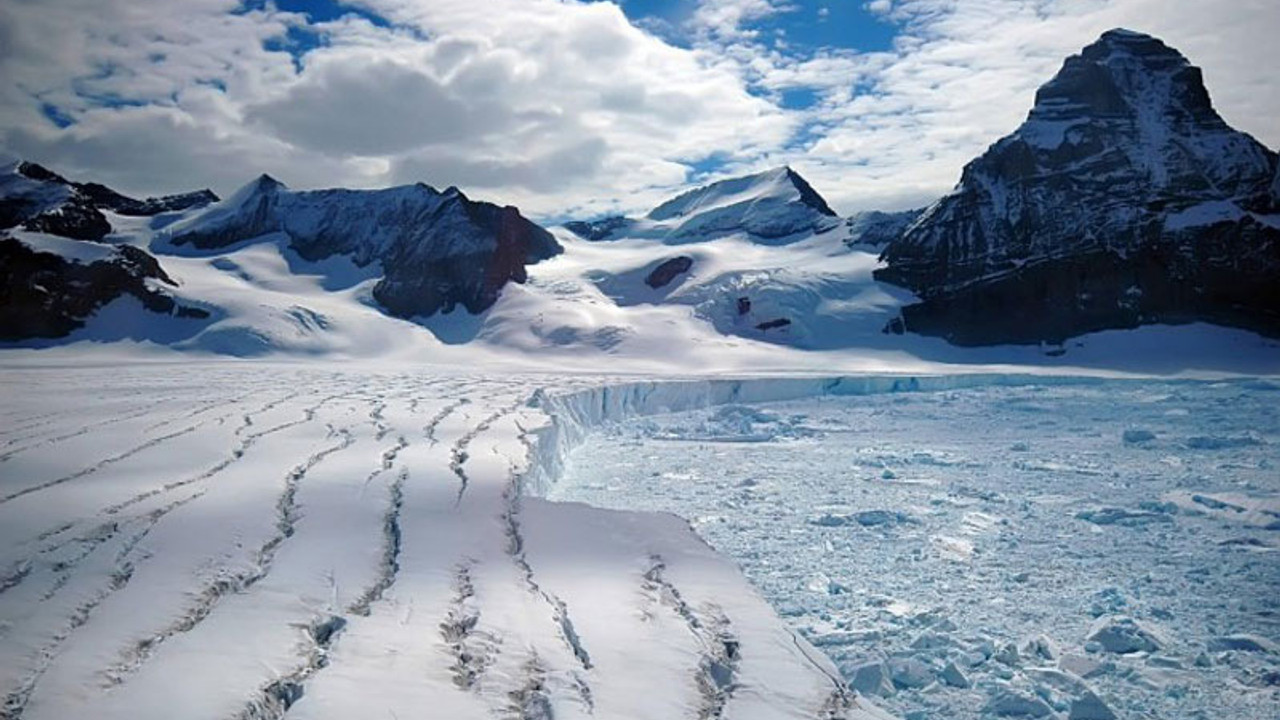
(563, 107)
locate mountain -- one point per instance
(1123, 199)
(41, 200)
(772, 206)
(55, 274)
(49, 286)
(435, 249)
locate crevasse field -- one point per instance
(1097, 549)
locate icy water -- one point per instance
(1045, 551)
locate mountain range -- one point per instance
(1123, 200)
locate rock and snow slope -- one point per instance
(1124, 199)
(436, 250)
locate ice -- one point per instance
(1243, 643)
(1000, 565)
(1090, 707)
(954, 676)
(1010, 703)
(1122, 635)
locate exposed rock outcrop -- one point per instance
(47, 295)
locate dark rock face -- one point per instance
(437, 249)
(73, 219)
(1124, 199)
(41, 200)
(668, 270)
(808, 196)
(43, 295)
(602, 229)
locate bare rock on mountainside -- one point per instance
(45, 294)
(1124, 199)
(51, 285)
(667, 271)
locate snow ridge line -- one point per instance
(717, 670)
(515, 549)
(429, 430)
(286, 509)
(459, 453)
(102, 464)
(208, 405)
(236, 453)
(472, 650)
(281, 694)
(84, 430)
(15, 701)
(392, 538)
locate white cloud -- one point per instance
(560, 106)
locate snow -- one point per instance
(256, 540)
(84, 252)
(771, 206)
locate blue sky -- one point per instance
(571, 107)
(807, 26)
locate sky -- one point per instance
(568, 108)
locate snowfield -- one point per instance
(262, 541)
(1082, 549)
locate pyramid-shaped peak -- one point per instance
(262, 185)
(779, 183)
(1127, 45)
(1125, 73)
(265, 182)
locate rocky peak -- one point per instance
(35, 171)
(1121, 163)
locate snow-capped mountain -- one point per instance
(54, 273)
(775, 206)
(1124, 199)
(436, 249)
